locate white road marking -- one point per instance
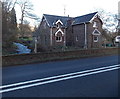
(56, 79)
(48, 78)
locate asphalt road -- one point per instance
(90, 77)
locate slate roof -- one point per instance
(51, 19)
(85, 18)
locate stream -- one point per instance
(22, 48)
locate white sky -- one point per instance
(73, 7)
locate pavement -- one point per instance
(88, 77)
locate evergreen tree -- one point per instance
(4, 23)
(13, 19)
(9, 28)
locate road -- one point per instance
(88, 77)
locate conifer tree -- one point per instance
(9, 27)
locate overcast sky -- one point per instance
(73, 7)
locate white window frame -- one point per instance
(94, 39)
(59, 40)
(76, 38)
(95, 24)
(93, 33)
(59, 21)
(58, 32)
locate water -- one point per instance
(22, 48)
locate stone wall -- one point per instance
(12, 60)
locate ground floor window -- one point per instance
(95, 38)
(58, 38)
(76, 38)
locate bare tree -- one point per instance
(109, 19)
(25, 7)
(26, 12)
(9, 4)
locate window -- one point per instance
(45, 39)
(44, 24)
(95, 38)
(58, 39)
(76, 38)
(59, 26)
(95, 25)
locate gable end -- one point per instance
(96, 16)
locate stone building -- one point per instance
(82, 31)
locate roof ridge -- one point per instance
(86, 14)
(56, 15)
(70, 17)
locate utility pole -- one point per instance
(35, 49)
(119, 10)
(1, 46)
(119, 16)
(0, 29)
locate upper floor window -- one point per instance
(43, 19)
(59, 23)
(45, 39)
(44, 24)
(95, 24)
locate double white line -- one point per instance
(32, 83)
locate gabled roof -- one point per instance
(84, 19)
(52, 19)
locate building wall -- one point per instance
(54, 42)
(44, 34)
(90, 36)
(69, 33)
(44, 39)
(74, 35)
(69, 36)
(79, 35)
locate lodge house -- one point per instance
(82, 31)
